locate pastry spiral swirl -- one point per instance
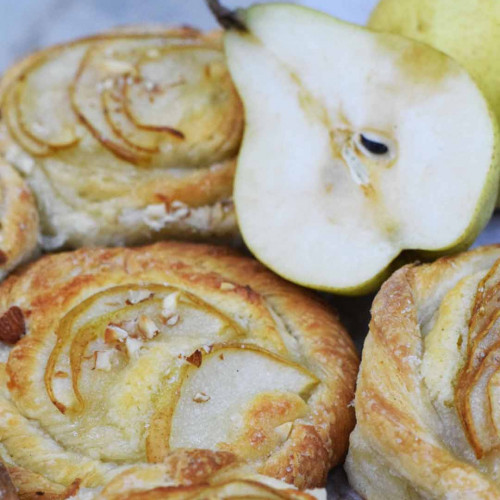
(132, 356)
(428, 400)
(125, 137)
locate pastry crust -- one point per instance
(130, 355)
(422, 402)
(126, 137)
(18, 220)
(228, 482)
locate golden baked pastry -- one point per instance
(125, 137)
(18, 220)
(131, 356)
(153, 482)
(190, 474)
(427, 401)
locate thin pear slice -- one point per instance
(114, 112)
(170, 91)
(44, 104)
(478, 418)
(101, 69)
(238, 489)
(10, 113)
(358, 145)
(214, 395)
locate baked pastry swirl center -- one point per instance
(144, 369)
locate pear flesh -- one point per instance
(357, 146)
(214, 396)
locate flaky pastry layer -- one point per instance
(19, 224)
(427, 400)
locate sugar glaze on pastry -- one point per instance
(428, 400)
(134, 356)
(125, 137)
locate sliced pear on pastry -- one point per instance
(170, 100)
(238, 488)
(114, 112)
(10, 112)
(210, 408)
(358, 145)
(97, 72)
(44, 106)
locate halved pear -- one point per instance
(358, 145)
(212, 402)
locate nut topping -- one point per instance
(147, 327)
(195, 358)
(12, 326)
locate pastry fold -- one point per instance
(19, 223)
(427, 400)
(125, 137)
(128, 357)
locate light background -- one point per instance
(26, 25)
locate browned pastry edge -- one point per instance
(18, 220)
(395, 428)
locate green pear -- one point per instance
(358, 146)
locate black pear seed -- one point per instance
(374, 147)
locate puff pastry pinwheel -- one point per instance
(125, 137)
(18, 220)
(138, 356)
(428, 400)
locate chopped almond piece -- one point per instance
(147, 327)
(114, 334)
(133, 346)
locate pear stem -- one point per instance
(227, 18)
